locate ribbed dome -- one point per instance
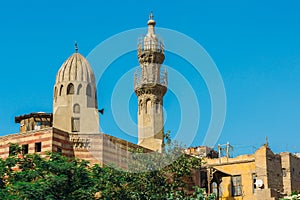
(75, 68)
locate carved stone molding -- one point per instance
(151, 57)
(155, 89)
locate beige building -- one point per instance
(262, 175)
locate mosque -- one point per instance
(73, 130)
(73, 127)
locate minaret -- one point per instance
(75, 97)
(150, 86)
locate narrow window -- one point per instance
(215, 188)
(70, 89)
(254, 183)
(89, 90)
(79, 89)
(55, 93)
(38, 147)
(25, 149)
(236, 185)
(59, 150)
(283, 172)
(12, 150)
(157, 107)
(148, 105)
(61, 90)
(76, 108)
(75, 124)
(140, 106)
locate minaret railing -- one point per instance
(141, 79)
(150, 44)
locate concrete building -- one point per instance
(262, 175)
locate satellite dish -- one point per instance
(259, 183)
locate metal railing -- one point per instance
(155, 77)
(150, 44)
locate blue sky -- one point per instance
(255, 45)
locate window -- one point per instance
(283, 172)
(215, 188)
(236, 185)
(25, 149)
(254, 182)
(12, 150)
(75, 124)
(70, 89)
(59, 150)
(55, 93)
(38, 147)
(60, 90)
(79, 89)
(89, 90)
(76, 108)
(157, 107)
(140, 106)
(148, 105)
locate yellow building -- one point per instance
(259, 176)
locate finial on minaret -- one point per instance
(267, 141)
(151, 15)
(76, 47)
(151, 21)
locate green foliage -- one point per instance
(293, 196)
(57, 177)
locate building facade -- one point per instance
(262, 175)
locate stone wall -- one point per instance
(291, 172)
(30, 138)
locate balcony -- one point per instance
(154, 77)
(150, 44)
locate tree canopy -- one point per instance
(56, 177)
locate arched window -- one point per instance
(70, 88)
(157, 107)
(60, 90)
(140, 106)
(75, 123)
(76, 108)
(89, 90)
(79, 89)
(55, 93)
(148, 106)
(96, 100)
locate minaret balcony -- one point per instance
(150, 43)
(155, 77)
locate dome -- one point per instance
(75, 68)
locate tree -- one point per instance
(160, 176)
